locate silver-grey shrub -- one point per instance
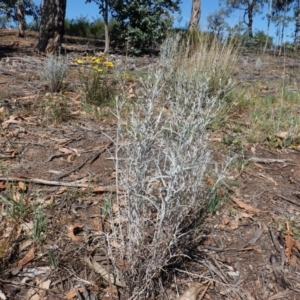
(53, 71)
(161, 162)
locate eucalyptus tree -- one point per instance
(141, 25)
(52, 25)
(195, 14)
(249, 7)
(17, 10)
(280, 17)
(216, 22)
(104, 11)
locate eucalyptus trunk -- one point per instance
(52, 25)
(105, 17)
(21, 18)
(268, 26)
(195, 14)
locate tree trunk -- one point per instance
(21, 18)
(250, 22)
(105, 17)
(52, 25)
(195, 14)
(297, 25)
(269, 15)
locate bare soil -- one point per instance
(251, 248)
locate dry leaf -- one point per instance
(25, 244)
(97, 224)
(115, 208)
(72, 293)
(76, 151)
(72, 230)
(115, 244)
(289, 242)
(268, 178)
(122, 202)
(2, 186)
(11, 120)
(29, 256)
(111, 289)
(297, 244)
(44, 287)
(65, 150)
(210, 181)
(193, 291)
(61, 191)
(227, 223)
(107, 276)
(245, 206)
(70, 158)
(245, 215)
(253, 149)
(60, 141)
(131, 92)
(108, 188)
(119, 219)
(30, 294)
(27, 227)
(4, 247)
(293, 261)
(215, 139)
(22, 186)
(282, 134)
(123, 265)
(45, 284)
(256, 249)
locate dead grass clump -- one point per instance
(216, 60)
(53, 71)
(164, 159)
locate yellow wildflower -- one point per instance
(108, 64)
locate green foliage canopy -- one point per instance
(141, 24)
(8, 8)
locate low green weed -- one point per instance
(55, 108)
(39, 223)
(16, 206)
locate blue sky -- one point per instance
(77, 8)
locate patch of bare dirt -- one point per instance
(251, 248)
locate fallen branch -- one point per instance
(268, 160)
(288, 200)
(107, 188)
(74, 170)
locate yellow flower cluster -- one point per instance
(98, 63)
(108, 64)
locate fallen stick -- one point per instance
(288, 200)
(107, 188)
(268, 160)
